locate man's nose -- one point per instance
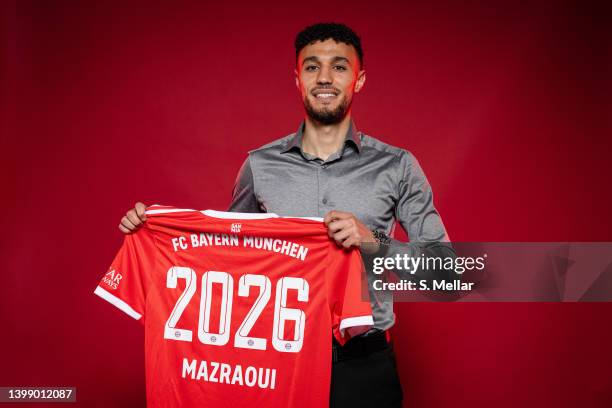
(324, 76)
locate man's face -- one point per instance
(327, 75)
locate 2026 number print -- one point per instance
(282, 313)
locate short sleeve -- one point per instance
(124, 284)
(348, 297)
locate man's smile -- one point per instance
(325, 95)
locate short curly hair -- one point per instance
(325, 31)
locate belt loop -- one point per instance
(388, 336)
(334, 353)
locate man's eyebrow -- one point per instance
(316, 59)
(310, 59)
(341, 59)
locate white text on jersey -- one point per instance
(292, 249)
(227, 374)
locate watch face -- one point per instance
(381, 237)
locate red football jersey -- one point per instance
(238, 309)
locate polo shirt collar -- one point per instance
(353, 137)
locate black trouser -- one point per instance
(364, 374)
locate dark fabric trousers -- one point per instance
(365, 376)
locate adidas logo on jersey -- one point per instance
(236, 227)
(112, 278)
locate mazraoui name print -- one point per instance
(223, 373)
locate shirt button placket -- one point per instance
(319, 209)
(324, 199)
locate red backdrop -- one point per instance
(507, 108)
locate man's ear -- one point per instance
(361, 78)
(297, 79)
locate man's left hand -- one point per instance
(347, 230)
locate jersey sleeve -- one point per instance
(349, 304)
(124, 285)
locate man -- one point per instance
(359, 184)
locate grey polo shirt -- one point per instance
(379, 183)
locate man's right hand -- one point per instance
(133, 219)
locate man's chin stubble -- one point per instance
(327, 117)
